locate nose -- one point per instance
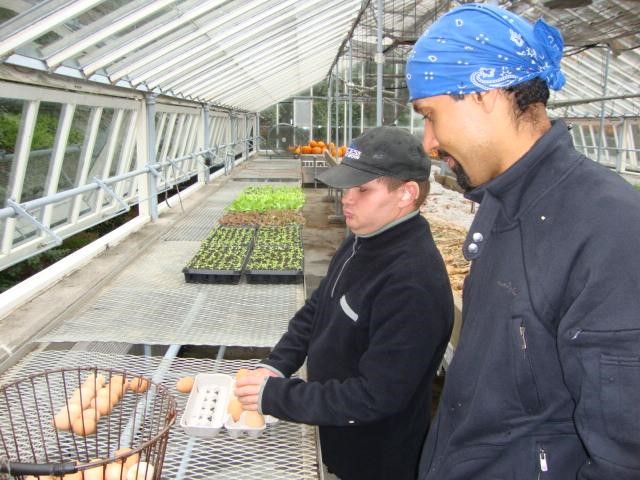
(429, 141)
(348, 195)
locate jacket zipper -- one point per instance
(542, 458)
(523, 339)
(353, 252)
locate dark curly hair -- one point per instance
(527, 93)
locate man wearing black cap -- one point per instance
(374, 332)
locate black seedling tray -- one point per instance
(195, 275)
(274, 276)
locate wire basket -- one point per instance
(86, 423)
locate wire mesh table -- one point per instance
(285, 450)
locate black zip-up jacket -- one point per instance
(373, 335)
(545, 381)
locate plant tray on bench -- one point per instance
(274, 276)
(196, 275)
(217, 265)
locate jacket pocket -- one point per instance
(524, 373)
(619, 387)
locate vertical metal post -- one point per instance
(205, 141)
(256, 134)
(362, 84)
(603, 103)
(350, 96)
(329, 100)
(310, 103)
(246, 137)
(337, 103)
(379, 63)
(150, 100)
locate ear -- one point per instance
(486, 100)
(409, 194)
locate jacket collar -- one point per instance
(512, 192)
(390, 225)
(397, 230)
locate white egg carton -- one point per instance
(206, 411)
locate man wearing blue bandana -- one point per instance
(545, 381)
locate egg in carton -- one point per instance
(241, 421)
(250, 423)
(212, 406)
(206, 410)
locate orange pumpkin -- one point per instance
(306, 149)
(316, 150)
(313, 143)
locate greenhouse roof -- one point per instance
(250, 54)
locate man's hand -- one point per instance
(248, 387)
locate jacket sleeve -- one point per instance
(599, 347)
(291, 350)
(405, 344)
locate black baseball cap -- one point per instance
(379, 152)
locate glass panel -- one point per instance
(319, 119)
(122, 134)
(285, 113)
(77, 134)
(302, 113)
(10, 112)
(7, 14)
(100, 150)
(267, 120)
(98, 158)
(41, 149)
(370, 115)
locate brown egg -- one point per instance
(234, 408)
(185, 384)
(116, 471)
(140, 471)
(94, 381)
(242, 372)
(62, 420)
(138, 384)
(72, 476)
(83, 395)
(95, 473)
(85, 424)
(131, 459)
(253, 419)
(118, 384)
(102, 402)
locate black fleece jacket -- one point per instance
(545, 381)
(373, 335)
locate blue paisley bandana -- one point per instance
(479, 47)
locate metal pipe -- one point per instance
(350, 96)
(379, 63)
(603, 103)
(152, 185)
(7, 212)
